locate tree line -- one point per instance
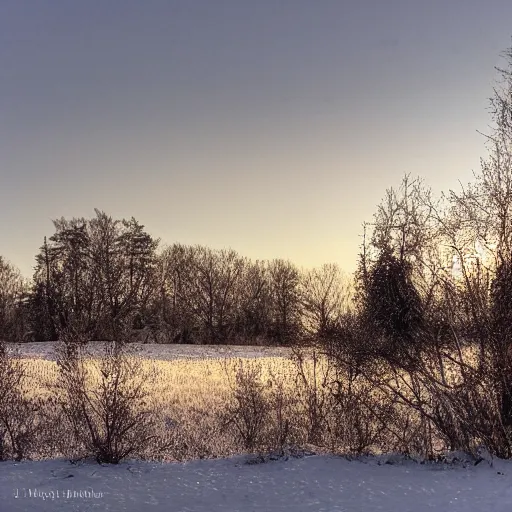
(107, 279)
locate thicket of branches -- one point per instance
(432, 329)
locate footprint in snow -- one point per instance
(61, 473)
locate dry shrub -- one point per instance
(341, 409)
(322, 403)
(262, 409)
(197, 434)
(106, 403)
(368, 402)
(435, 400)
(20, 424)
(363, 415)
(284, 432)
(467, 416)
(248, 410)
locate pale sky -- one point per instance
(271, 127)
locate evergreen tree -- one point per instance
(392, 306)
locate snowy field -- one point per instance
(316, 484)
(46, 350)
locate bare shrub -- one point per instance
(263, 412)
(249, 408)
(198, 433)
(369, 412)
(283, 430)
(443, 403)
(362, 414)
(466, 413)
(20, 423)
(107, 404)
(312, 390)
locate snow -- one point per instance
(47, 350)
(316, 483)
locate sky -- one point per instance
(271, 127)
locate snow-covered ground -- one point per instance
(46, 350)
(316, 483)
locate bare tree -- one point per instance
(172, 296)
(284, 289)
(12, 291)
(216, 289)
(326, 295)
(254, 315)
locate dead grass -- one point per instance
(190, 394)
(192, 397)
